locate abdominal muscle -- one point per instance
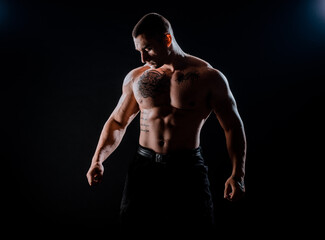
(169, 129)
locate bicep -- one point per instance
(127, 107)
(228, 115)
(224, 104)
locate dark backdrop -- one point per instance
(62, 69)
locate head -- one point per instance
(153, 38)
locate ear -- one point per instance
(168, 39)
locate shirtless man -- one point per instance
(174, 93)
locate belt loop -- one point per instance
(159, 158)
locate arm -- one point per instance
(113, 130)
(225, 108)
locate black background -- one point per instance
(62, 69)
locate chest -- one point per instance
(179, 89)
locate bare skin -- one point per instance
(174, 93)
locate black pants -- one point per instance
(167, 192)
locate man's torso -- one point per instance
(173, 105)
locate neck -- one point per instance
(176, 49)
(176, 57)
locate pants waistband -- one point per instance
(164, 158)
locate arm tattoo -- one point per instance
(152, 83)
(188, 76)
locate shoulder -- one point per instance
(211, 76)
(130, 78)
(134, 74)
(206, 70)
(196, 62)
(215, 76)
(215, 81)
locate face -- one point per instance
(153, 52)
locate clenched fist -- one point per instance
(95, 174)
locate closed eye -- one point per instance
(147, 48)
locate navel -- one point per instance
(161, 142)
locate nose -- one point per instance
(144, 56)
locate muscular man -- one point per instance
(174, 92)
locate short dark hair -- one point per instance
(153, 25)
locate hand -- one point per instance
(234, 189)
(95, 174)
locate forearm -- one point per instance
(109, 139)
(236, 146)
